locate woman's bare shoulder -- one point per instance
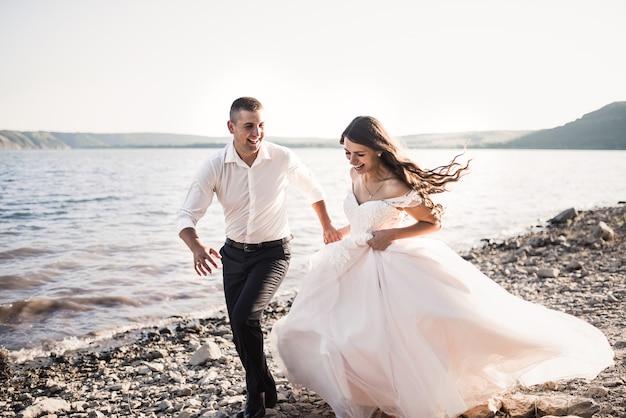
(396, 187)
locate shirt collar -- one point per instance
(233, 157)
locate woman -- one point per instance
(391, 320)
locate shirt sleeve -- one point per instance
(304, 180)
(199, 197)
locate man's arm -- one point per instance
(202, 255)
(331, 234)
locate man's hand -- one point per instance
(331, 234)
(203, 260)
(202, 254)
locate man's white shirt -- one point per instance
(253, 198)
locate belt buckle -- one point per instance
(249, 248)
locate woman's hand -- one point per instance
(428, 221)
(380, 239)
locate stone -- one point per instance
(485, 410)
(597, 392)
(563, 217)
(603, 231)
(574, 265)
(519, 406)
(165, 405)
(155, 367)
(208, 351)
(567, 416)
(45, 406)
(154, 354)
(548, 272)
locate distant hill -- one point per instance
(604, 128)
(30, 140)
(59, 140)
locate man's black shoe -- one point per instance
(254, 407)
(271, 397)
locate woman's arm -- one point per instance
(427, 222)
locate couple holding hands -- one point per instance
(386, 319)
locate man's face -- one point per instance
(248, 132)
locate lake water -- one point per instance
(88, 244)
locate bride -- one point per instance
(388, 319)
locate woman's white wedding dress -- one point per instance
(416, 330)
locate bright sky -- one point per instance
(121, 66)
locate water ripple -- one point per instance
(40, 309)
(24, 252)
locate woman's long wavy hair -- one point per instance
(369, 132)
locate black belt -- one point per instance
(253, 247)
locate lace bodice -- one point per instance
(378, 214)
(365, 218)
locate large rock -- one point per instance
(209, 351)
(566, 215)
(603, 231)
(45, 406)
(526, 406)
(485, 410)
(566, 406)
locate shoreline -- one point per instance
(189, 368)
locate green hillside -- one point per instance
(604, 128)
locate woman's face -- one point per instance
(362, 159)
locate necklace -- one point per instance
(377, 190)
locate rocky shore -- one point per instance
(575, 264)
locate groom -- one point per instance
(249, 177)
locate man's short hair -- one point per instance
(244, 103)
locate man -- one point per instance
(249, 178)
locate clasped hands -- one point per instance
(332, 234)
(380, 239)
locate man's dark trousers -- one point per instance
(251, 278)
